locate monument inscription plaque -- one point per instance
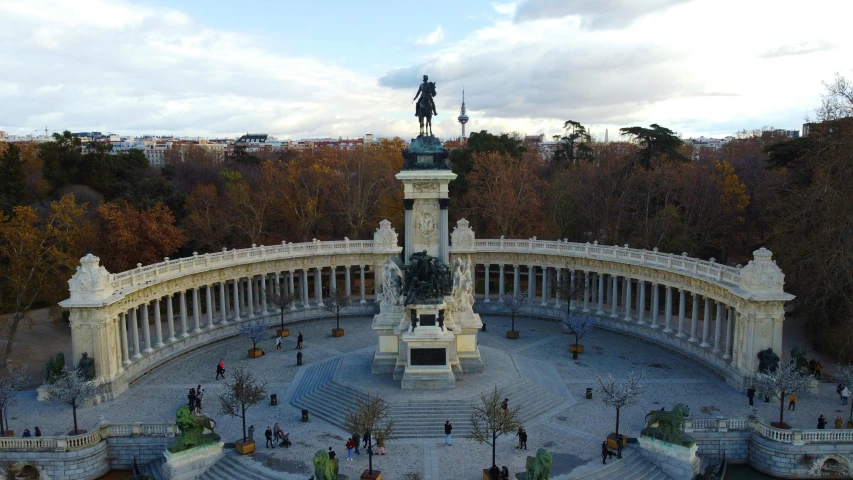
(428, 356)
(427, 320)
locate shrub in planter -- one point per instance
(254, 331)
(335, 303)
(243, 392)
(577, 324)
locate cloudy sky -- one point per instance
(324, 68)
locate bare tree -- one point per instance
(844, 375)
(335, 303)
(370, 416)
(837, 101)
(73, 389)
(241, 394)
(784, 381)
(513, 303)
(11, 383)
(282, 299)
(254, 331)
(489, 421)
(577, 324)
(621, 394)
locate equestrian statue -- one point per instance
(425, 108)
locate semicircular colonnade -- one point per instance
(133, 321)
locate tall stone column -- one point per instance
(443, 231)
(277, 284)
(125, 353)
(170, 318)
(236, 289)
(362, 300)
(409, 205)
(641, 302)
(196, 311)
(729, 321)
(250, 302)
(303, 282)
(263, 294)
(610, 284)
(628, 299)
(516, 281)
(209, 301)
(146, 328)
(486, 285)
(571, 297)
(318, 285)
(223, 302)
(717, 324)
(614, 311)
(291, 289)
(137, 352)
(546, 286)
(586, 280)
(501, 279)
(667, 310)
(333, 278)
(682, 306)
(185, 332)
(531, 283)
(655, 305)
(158, 328)
(347, 281)
(706, 323)
(694, 319)
(600, 294)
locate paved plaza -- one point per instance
(572, 431)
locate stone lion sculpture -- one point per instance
(193, 430)
(539, 467)
(324, 467)
(666, 425)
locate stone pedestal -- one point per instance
(191, 464)
(677, 461)
(429, 353)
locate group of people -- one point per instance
(353, 442)
(275, 435)
(27, 433)
(299, 340)
(195, 399)
(496, 473)
(522, 438)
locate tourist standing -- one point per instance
(604, 452)
(251, 432)
(792, 402)
(838, 390)
(817, 368)
(518, 434)
(278, 343)
(191, 400)
(38, 431)
(299, 339)
(845, 394)
(380, 445)
(505, 404)
(350, 448)
(220, 369)
(448, 427)
(750, 394)
(199, 398)
(276, 433)
(332, 454)
(268, 436)
(504, 473)
(523, 439)
(821, 422)
(495, 473)
(366, 438)
(356, 439)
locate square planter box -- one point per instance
(512, 334)
(245, 448)
(255, 352)
(338, 332)
(376, 475)
(613, 442)
(574, 348)
(283, 333)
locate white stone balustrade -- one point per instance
(84, 440)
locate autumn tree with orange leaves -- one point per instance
(37, 257)
(132, 236)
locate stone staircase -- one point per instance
(632, 466)
(325, 397)
(154, 469)
(233, 466)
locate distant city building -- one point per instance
(706, 146)
(155, 151)
(787, 133)
(546, 148)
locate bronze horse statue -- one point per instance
(424, 109)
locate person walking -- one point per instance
(518, 434)
(299, 340)
(268, 436)
(821, 422)
(792, 402)
(838, 390)
(356, 441)
(845, 394)
(523, 439)
(278, 343)
(448, 427)
(251, 432)
(366, 439)
(750, 394)
(220, 369)
(604, 452)
(276, 433)
(817, 368)
(350, 448)
(191, 398)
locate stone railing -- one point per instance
(145, 275)
(792, 436)
(709, 270)
(77, 442)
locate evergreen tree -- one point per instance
(13, 185)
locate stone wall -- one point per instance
(799, 461)
(86, 463)
(731, 445)
(122, 450)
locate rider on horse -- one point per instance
(427, 91)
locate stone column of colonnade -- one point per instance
(204, 307)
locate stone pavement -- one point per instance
(573, 432)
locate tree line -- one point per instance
(760, 189)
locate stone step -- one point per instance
(154, 469)
(632, 466)
(232, 467)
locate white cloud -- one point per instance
(432, 38)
